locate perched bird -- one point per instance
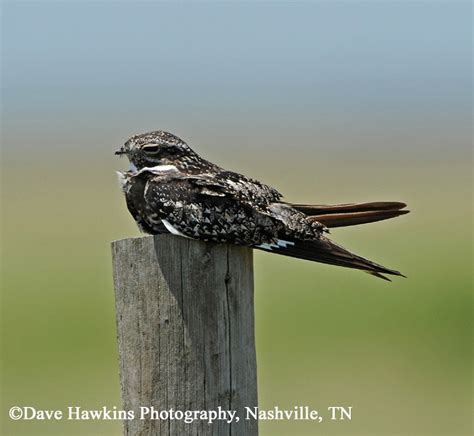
(169, 188)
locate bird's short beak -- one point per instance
(120, 151)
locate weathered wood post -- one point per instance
(185, 326)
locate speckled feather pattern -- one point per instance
(171, 189)
(203, 201)
(215, 206)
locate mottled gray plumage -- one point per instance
(170, 188)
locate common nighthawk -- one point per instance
(171, 189)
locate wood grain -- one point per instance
(185, 327)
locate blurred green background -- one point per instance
(328, 102)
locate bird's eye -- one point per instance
(150, 148)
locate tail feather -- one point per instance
(341, 215)
(332, 220)
(325, 251)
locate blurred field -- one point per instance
(326, 101)
(399, 353)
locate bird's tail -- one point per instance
(325, 251)
(341, 215)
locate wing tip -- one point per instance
(326, 251)
(383, 277)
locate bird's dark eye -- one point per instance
(151, 148)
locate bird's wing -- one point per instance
(208, 185)
(232, 185)
(324, 250)
(247, 189)
(206, 208)
(203, 207)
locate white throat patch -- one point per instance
(159, 169)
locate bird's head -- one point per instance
(155, 148)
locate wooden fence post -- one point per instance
(185, 327)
